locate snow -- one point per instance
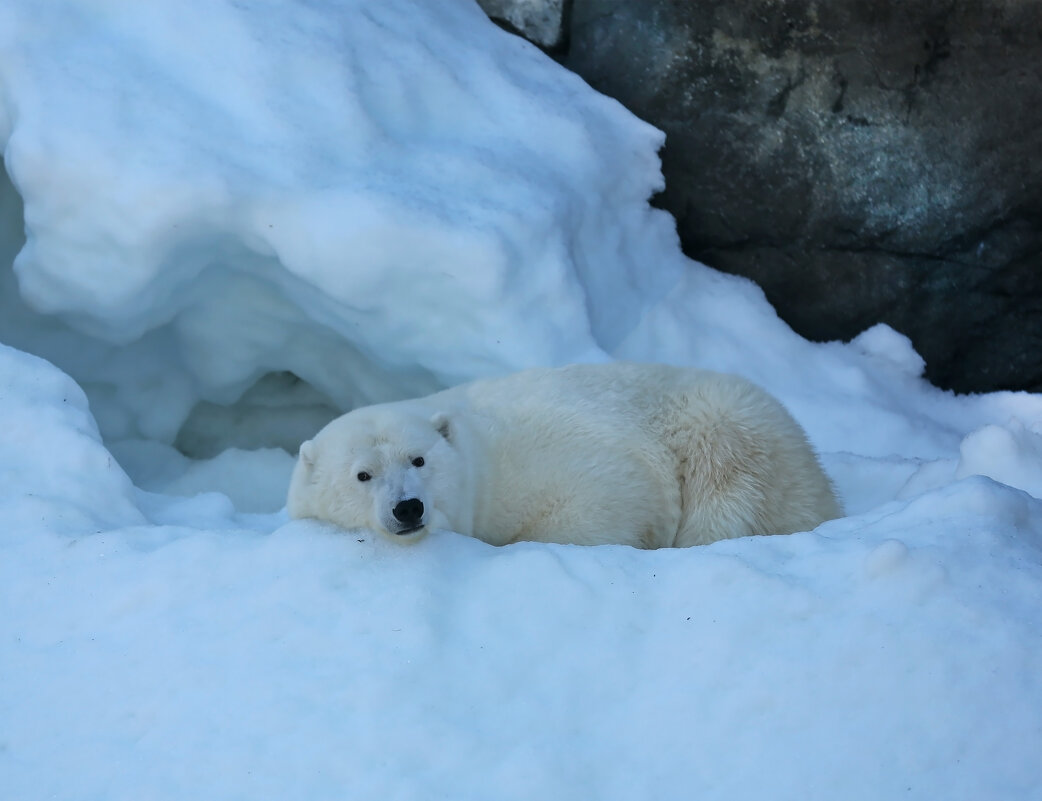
(221, 223)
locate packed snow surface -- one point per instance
(222, 223)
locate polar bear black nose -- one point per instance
(409, 511)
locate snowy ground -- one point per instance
(220, 223)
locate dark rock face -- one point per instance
(539, 21)
(861, 161)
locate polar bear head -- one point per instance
(391, 467)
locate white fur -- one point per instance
(644, 455)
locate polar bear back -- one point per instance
(646, 455)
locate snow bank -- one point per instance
(318, 187)
(228, 221)
(892, 655)
(55, 475)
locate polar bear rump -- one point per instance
(644, 455)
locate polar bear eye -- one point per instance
(417, 462)
(364, 476)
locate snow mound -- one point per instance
(320, 180)
(887, 347)
(55, 475)
(1011, 454)
(890, 655)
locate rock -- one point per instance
(862, 162)
(539, 21)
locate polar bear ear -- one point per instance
(307, 454)
(441, 424)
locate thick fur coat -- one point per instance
(644, 455)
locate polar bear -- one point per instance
(637, 454)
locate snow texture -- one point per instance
(221, 223)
